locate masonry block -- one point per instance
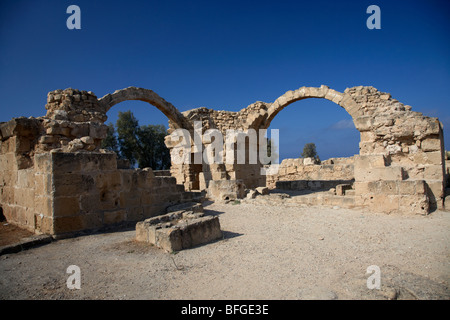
(226, 189)
(179, 230)
(114, 217)
(376, 173)
(66, 206)
(71, 224)
(431, 144)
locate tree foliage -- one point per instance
(271, 149)
(127, 134)
(153, 151)
(110, 142)
(141, 145)
(309, 151)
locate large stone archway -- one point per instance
(146, 95)
(342, 99)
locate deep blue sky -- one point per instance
(228, 54)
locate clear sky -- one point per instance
(226, 55)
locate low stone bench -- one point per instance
(179, 230)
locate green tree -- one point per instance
(271, 147)
(110, 142)
(153, 151)
(309, 151)
(142, 145)
(127, 132)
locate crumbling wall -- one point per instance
(69, 192)
(74, 121)
(54, 178)
(407, 140)
(20, 191)
(313, 175)
(91, 193)
(196, 176)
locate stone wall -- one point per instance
(91, 193)
(20, 191)
(59, 191)
(70, 192)
(379, 184)
(447, 174)
(196, 176)
(74, 121)
(313, 175)
(386, 187)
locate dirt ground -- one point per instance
(269, 251)
(10, 234)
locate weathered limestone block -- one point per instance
(226, 189)
(370, 161)
(66, 206)
(114, 217)
(80, 130)
(22, 127)
(403, 204)
(406, 197)
(364, 123)
(310, 161)
(372, 168)
(251, 194)
(98, 131)
(415, 204)
(290, 169)
(431, 144)
(262, 190)
(193, 207)
(437, 190)
(373, 174)
(80, 222)
(179, 230)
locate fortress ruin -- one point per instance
(55, 179)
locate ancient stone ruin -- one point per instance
(55, 179)
(183, 227)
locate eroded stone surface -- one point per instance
(178, 230)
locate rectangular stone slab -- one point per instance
(181, 234)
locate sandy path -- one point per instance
(268, 252)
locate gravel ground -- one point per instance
(269, 251)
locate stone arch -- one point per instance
(146, 95)
(400, 151)
(262, 121)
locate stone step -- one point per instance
(349, 192)
(323, 198)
